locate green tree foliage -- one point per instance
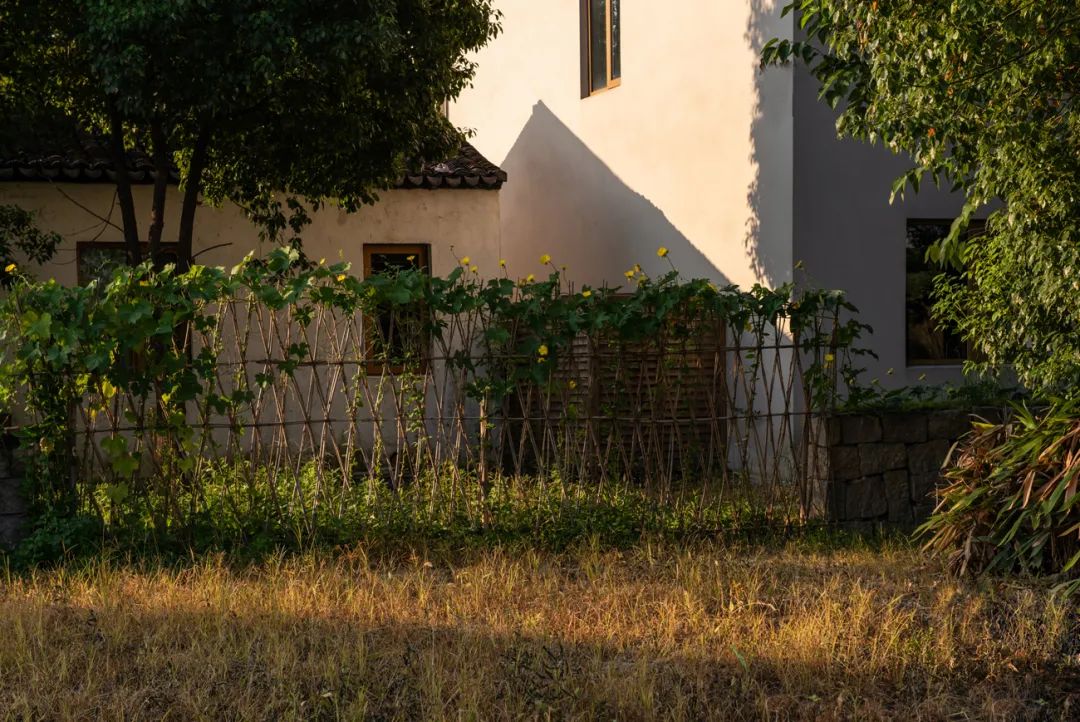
(982, 95)
(327, 100)
(19, 235)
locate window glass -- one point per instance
(397, 335)
(96, 260)
(616, 62)
(928, 341)
(598, 47)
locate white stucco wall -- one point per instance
(849, 236)
(461, 222)
(693, 151)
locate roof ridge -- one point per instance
(467, 170)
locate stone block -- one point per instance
(11, 497)
(948, 425)
(923, 485)
(834, 431)
(905, 428)
(866, 499)
(844, 463)
(878, 458)
(898, 496)
(922, 512)
(12, 528)
(860, 428)
(929, 456)
(836, 500)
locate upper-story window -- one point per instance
(601, 66)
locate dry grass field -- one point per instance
(661, 631)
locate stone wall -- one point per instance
(882, 467)
(13, 511)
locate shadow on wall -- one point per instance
(564, 200)
(768, 238)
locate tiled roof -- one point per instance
(89, 162)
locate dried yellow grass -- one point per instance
(659, 632)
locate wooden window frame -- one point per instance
(82, 246)
(587, 89)
(976, 227)
(423, 252)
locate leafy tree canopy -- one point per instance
(982, 95)
(321, 99)
(19, 235)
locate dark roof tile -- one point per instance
(88, 162)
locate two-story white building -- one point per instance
(625, 125)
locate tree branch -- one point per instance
(161, 184)
(123, 187)
(192, 185)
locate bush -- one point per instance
(1010, 502)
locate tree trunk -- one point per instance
(191, 199)
(161, 184)
(123, 188)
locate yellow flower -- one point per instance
(322, 261)
(410, 259)
(572, 384)
(465, 261)
(144, 282)
(829, 358)
(474, 269)
(341, 277)
(662, 252)
(543, 350)
(629, 274)
(586, 293)
(530, 278)
(10, 268)
(545, 259)
(502, 263)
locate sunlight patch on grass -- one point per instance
(656, 631)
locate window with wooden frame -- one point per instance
(96, 260)
(396, 337)
(928, 341)
(601, 46)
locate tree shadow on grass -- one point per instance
(185, 655)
